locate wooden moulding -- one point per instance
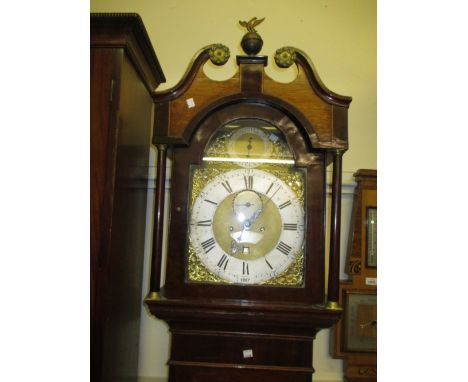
(222, 315)
(127, 31)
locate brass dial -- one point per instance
(247, 226)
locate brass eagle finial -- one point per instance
(251, 24)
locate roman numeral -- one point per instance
(208, 245)
(223, 260)
(284, 248)
(290, 227)
(285, 204)
(209, 201)
(269, 188)
(266, 261)
(245, 268)
(204, 223)
(227, 186)
(248, 180)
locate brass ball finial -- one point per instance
(219, 54)
(285, 57)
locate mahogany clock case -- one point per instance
(312, 290)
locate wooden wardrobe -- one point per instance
(124, 72)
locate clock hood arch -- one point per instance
(306, 100)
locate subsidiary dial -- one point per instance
(247, 205)
(249, 143)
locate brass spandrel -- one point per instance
(197, 271)
(293, 276)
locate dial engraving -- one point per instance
(285, 204)
(204, 223)
(268, 263)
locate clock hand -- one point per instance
(260, 210)
(249, 147)
(255, 215)
(234, 243)
(246, 224)
(233, 247)
(248, 204)
(240, 236)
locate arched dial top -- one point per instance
(249, 142)
(247, 209)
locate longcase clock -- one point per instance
(245, 283)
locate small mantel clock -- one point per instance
(245, 278)
(355, 336)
